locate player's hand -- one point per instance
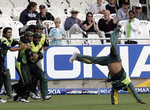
(35, 56)
(28, 46)
(22, 47)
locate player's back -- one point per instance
(114, 67)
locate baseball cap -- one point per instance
(39, 26)
(126, 2)
(138, 5)
(37, 35)
(41, 6)
(28, 33)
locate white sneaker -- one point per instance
(2, 101)
(47, 97)
(34, 96)
(73, 57)
(22, 100)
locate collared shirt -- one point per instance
(95, 9)
(57, 33)
(70, 21)
(140, 16)
(122, 15)
(111, 8)
(103, 26)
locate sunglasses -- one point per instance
(74, 12)
(89, 16)
(137, 8)
(126, 3)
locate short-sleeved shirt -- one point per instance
(57, 33)
(95, 9)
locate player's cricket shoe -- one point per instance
(46, 97)
(2, 101)
(141, 102)
(73, 57)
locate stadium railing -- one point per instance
(94, 41)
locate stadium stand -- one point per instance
(16, 13)
(95, 40)
(48, 23)
(145, 29)
(7, 11)
(17, 3)
(76, 39)
(112, 16)
(31, 22)
(56, 11)
(15, 25)
(11, 10)
(97, 17)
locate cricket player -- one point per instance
(117, 75)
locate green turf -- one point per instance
(79, 102)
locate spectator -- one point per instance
(43, 15)
(57, 34)
(132, 28)
(74, 24)
(29, 13)
(107, 24)
(111, 6)
(138, 12)
(123, 13)
(89, 25)
(97, 8)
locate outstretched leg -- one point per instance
(114, 41)
(89, 60)
(132, 91)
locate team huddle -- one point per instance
(31, 49)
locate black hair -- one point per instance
(30, 5)
(88, 14)
(31, 28)
(131, 11)
(5, 30)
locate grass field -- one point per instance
(79, 102)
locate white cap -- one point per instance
(138, 5)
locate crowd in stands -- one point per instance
(74, 24)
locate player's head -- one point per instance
(37, 37)
(29, 36)
(7, 32)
